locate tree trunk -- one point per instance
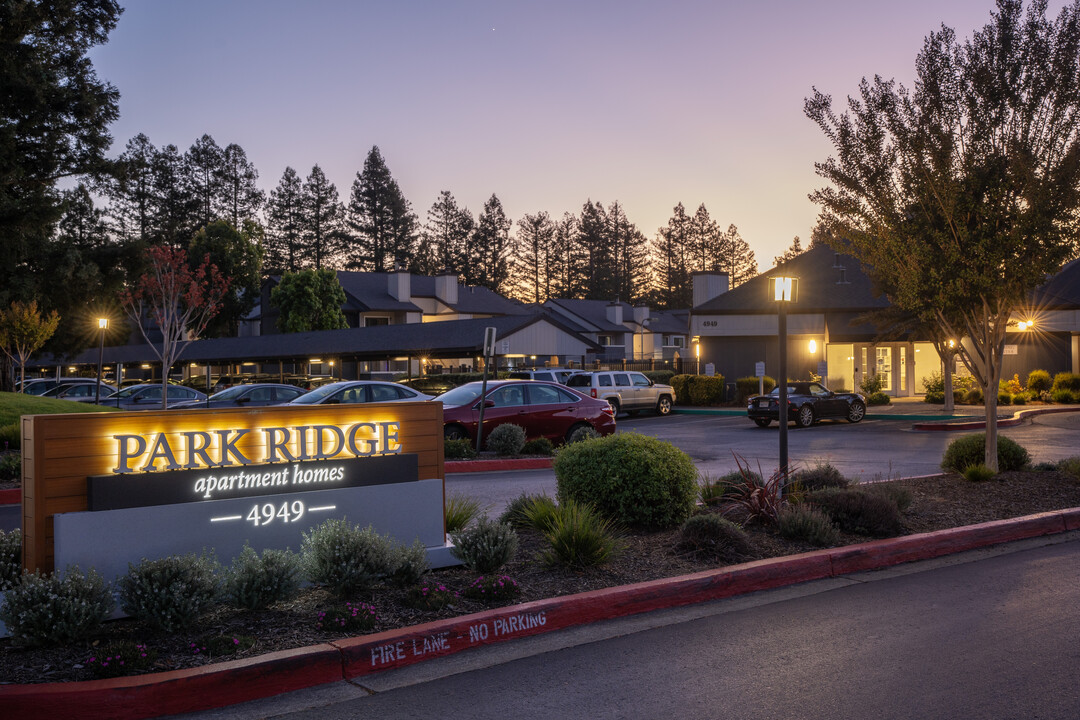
(950, 364)
(990, 398)
(7, 381)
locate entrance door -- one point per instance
(883, 366)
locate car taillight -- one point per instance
(593, 392)
(609, 411)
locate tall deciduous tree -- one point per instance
(284, 242)
(179, 300)
(489, 263)
(323, 218)
(381, 221)
(309, 300)
(23, 330)
(964, 192)
(237, 255)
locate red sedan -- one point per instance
(544, 409)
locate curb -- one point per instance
(1017, 418)
(463, 466)
(11, 496)
(212, 686)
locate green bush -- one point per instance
(978, 473)
(705, 390)
(973, 396)
(538, 446)
(56, 609)
(345, 558)
(169, 594)
(969, 450)
(681, 385)
(878, 398)
(934, 383)
(585, 432)
(806, 523)
(460, 511)
(10, 558)
(486, 546)
(10, 437)
(1070, 466)
(1066, 381)
(1039, 381)
(1005, 398)
(254, 582)
(662, 377)
(1063, 396)
(748, 386)
(579, 538)
(1020, 399)
(531, 511)
(958, 395)
(506, 439)
(857, 511)
(872, 384)
(934, 398)
(898, 495)
(710, 536)
(10, 468)
(822, 475)
(458, 449)
(634, 479)
(409, 564)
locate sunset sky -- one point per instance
(545, 104)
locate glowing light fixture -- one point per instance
(813, 346)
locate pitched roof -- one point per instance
(594, 312)
(371, 291)
(1061, 291)
(828, 282)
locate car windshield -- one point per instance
(318, 394)
(128, 391)
(463, 395)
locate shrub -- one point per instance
(585, 432)
(958, 395)
(878, 398)
(579, 538)
(705, 390)
(492, 588)
(350, 617)
(934, 398)
(898, 495)
(10, 558)
(10, 437)
(458, 449)
(1039, 381)
(970, 450)
(973, 396)
(1005, 398)
(1070, 466)
(858, 511)
(710, 536)
(1011, 386)
(253, 582)
(538, 446)
(10, 468)
(978, 473)
(1019, 399)
(934, 383)
(506, 439)
(681, 385)
(748, 386)
(659, 376)
(460, 511)
(1066, 381)
(871, 384)
(758, 500)
(345, 558)
(429, 596)
(634, 479)
(169, 594)
(522, 511)
(820, 476)
(806, 523)
(409, 563)
(56, 609)
(486, 546)
(1063, 396)
(120, 657)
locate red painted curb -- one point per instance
(459, 466)
(177, 691)
(11, 496)
(210, 686)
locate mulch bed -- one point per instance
(940, 502)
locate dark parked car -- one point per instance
(253, 395)
(80, 392)
(359, 391)
(148, 397)
(40, 386)
(808, 402)
(544, 409)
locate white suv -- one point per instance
(626, 391)
(559, 375)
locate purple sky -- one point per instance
(545, 104)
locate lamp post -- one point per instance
(784, 290)
(103, 325)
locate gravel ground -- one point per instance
(939, 502)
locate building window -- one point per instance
(376, 321)
(604, 339)
(678, 341)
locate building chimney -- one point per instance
(709, 285)
(400, 285)
(446, 289)
(641, 314)
(614, 313)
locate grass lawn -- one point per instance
(15, 405)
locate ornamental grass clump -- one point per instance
(969, 450)
(171, 593)
(506, 439)
(710, 536)
(978, 473)
(754, 499)
(460, 511)
(10, 558)
(486, 546)
(579, 538)
(57, 608)
(858, 511)
(530, 511)
(254, 582)
(633, 479)
(345, 558)
(806, 523)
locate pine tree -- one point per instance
(533, 252)
(380, 219)
(446, 236)
(706, 240)
(567, 265)
(673, 251)
(82, 224)
(793, 251)
(323, 217)
(738, 259)
(132, 203)
(176, 207)
(491, 247)
(631, 254)
(284, 243)
(203, 163)
(239, 197)
(594, 237)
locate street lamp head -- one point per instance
(103, 323)
(784, 289)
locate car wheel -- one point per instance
(455, 432)
(580, 431)
(804, 416)
(663, 406)
(614, 405)
(762, 422)
(856, 412)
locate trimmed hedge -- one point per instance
(969, 450)
(747, 386)
(698, 389)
